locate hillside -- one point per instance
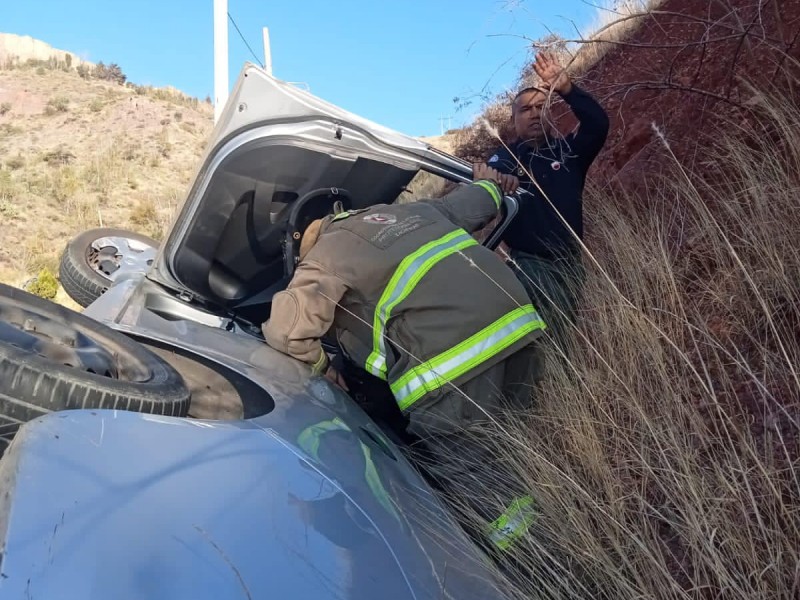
(79, 152)
(664, 451)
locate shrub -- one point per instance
(44, 285)
(65, 184)
(7, 208)
(9, 130)
(59, 104)
(59, 156)
(111, 72)
(8, 187)
(5, 107)
(15, 162)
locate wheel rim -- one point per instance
(107, 256)
(69, 345)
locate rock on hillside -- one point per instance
(18, 49)
(77, 153)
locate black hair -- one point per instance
(530, 88)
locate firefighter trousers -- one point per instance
(462, 448)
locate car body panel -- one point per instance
(114, 504)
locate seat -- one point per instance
(249, 253)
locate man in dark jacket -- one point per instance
(544, 251)
(414, 300)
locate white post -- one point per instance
(221, 82)
(267, 52)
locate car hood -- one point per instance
(273, 144)
(114, 504)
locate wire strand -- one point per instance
(245, 41)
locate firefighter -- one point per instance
(414, 300)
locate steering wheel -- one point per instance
(313, 205)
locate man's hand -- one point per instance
(551, 73)
(336, 378)
(508, 183)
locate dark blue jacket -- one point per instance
(559, 166)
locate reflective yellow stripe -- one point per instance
(319, 367)
(405, 278)
(493, 189)
(513, 523)
(462, 358)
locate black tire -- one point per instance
(32, 382)
(80, 281)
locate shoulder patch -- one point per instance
(494, 158)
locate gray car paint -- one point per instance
(186, 509)
(111, 504)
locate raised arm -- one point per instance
(592, 118)
(594, 124)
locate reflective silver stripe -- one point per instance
(453, 363)
(403, 281)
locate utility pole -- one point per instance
(221, 81)
(267, 52)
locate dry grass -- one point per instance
(663, 452)
(79, 153)
(616, 21)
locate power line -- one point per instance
(258, 60)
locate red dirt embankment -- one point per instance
(684, 70)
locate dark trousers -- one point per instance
(458, 447)
(555, 286)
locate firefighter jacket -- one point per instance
(410, 295)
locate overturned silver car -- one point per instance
(160, 449)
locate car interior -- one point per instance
(243, 241)
(236, 253)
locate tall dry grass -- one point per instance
(663, 448)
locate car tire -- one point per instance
(53, 358)
(82, 281)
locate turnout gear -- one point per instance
(411, 295)
(415, 301)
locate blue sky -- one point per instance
(399, 63)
